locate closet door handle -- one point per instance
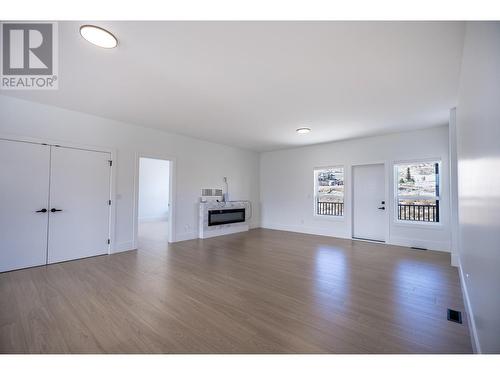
(42, 210)
(54, 210)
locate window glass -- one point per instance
(417, 191)
(329, 191)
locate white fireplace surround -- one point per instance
(206, 231)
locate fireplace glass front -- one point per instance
(219, 217)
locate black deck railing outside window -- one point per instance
(411, 212)
(330, 208)
(419, 212)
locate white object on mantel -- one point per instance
(206, 231)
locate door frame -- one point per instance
(172, 193)
(112, 176)
(388, 203)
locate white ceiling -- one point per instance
(251, 84)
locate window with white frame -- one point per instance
(417, 191)
(329, 191)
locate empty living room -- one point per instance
(270, 187)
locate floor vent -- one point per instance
(418, 248)
(455, 316)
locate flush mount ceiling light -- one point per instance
(303, 130)
(98, 36)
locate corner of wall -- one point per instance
(476, 347)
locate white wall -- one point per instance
(287, 185)
(153, 189)
(478, 135)
(198, 164)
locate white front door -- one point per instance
(79, 188)
(369, 208)
(24, 193)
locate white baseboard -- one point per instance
(476, 347)
(425, 244)
(305, 230)
(399, 241)
(122, 246)
(254, 225)
(194, 235)
(185, 236)
(455, 260)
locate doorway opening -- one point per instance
(153, 208)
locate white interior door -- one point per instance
(369, 202)
(24, 190)
(79, 187)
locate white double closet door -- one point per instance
(54, 204)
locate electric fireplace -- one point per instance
(221, 218)
(226, 216)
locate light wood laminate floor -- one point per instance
(262, 291)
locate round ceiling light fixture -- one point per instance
(303, 130)
(98, 36)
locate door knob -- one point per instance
(54, 210)
(381, 208)
(42, 210)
